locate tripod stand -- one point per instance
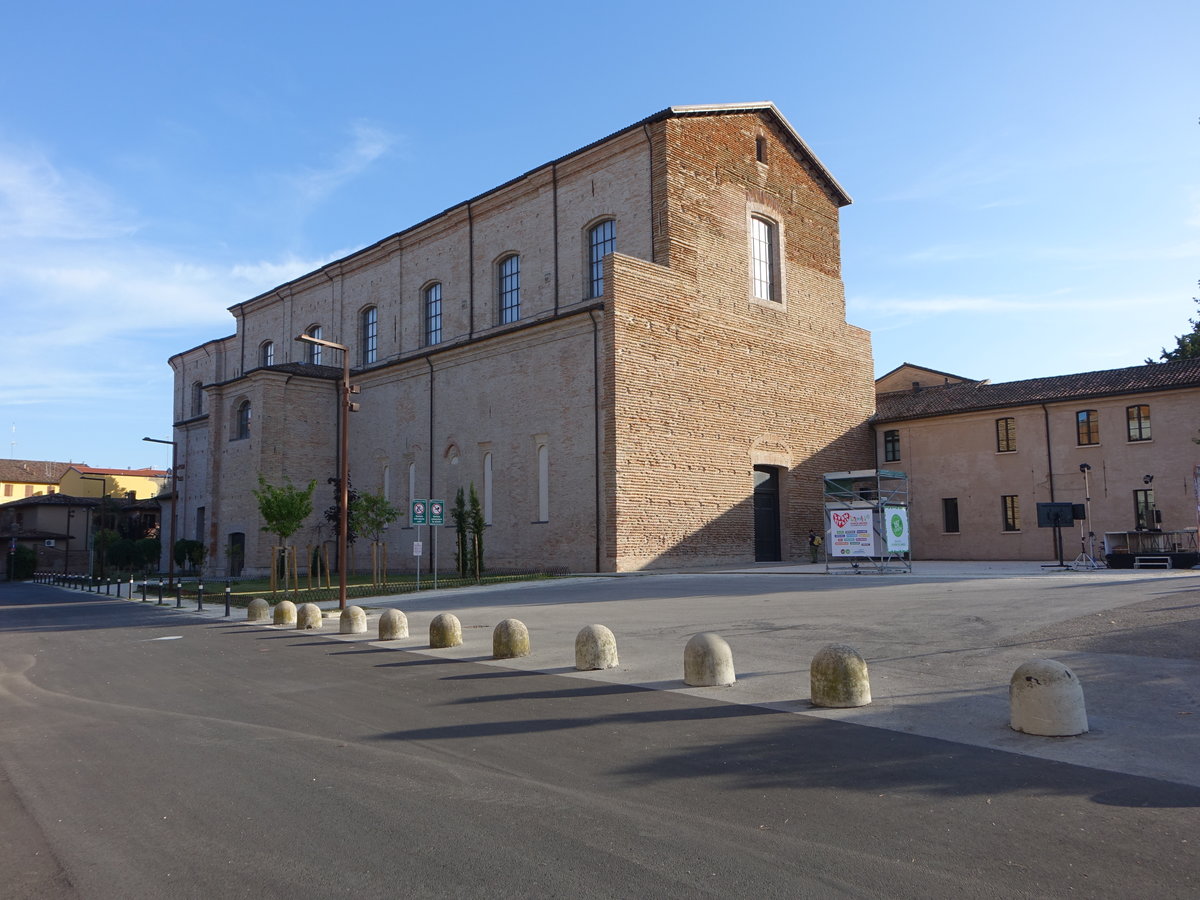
(1087, 538)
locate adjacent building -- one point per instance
(1121, 443)
(29, 477)
(637, 353)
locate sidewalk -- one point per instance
(941, 644)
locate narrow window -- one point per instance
(1006, 435)
(760, 149)
(602, 240)
(369, 337)
(950, 515)
(197, 398)
(543, 483)
(242, 421)
(1138, 418)
(1087, 427)
(487, 489)
(891, 446)
(387, 483)
(433, 315)
(1143, 509)
(1012, 512)
(510, 289)
(266, 354)
(412, 482)
(199, 523)
(314, 350)
(8, 489)
(764, 253)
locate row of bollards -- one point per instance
(1045, 697)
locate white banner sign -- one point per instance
(895, 524)
(851, 533)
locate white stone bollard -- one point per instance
(285, 613)
(510, 639)
(445, 631)
(595, 648)
(708, 661)
(1046, 698)
(353, 620)
(838, 678)
(259, 610)
(308, 617)
(393, 624)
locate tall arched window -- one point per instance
(242, 421)
(266, 354)
(487, 489)
(764, 252)
(314, 350)
(197, 398)
(543, 483)
(510, 289)
(369, 334)
(433, 314)
(602, 240)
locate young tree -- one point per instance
(283, 509)
(475, 525)
(190, 553)
(371, 514)
(462, 550)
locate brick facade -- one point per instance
(636, 416)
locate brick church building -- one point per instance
(638, 353)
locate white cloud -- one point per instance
(367, 144)
(37, 201)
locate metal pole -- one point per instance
(200, 596)
(227, 590)
(160, 603)
(179, 595)
(344, 492)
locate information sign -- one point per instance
(437, 512)
(419, 512)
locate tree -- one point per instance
(475, 525)
(333, 514)
(371, 514)
(1187, 346)
(190, 553)
(147, 553)
(101, 541)
(283, 509)
(462, 550)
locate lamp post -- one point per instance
(174, 507)
(345, 407)
(91, 538)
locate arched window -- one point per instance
(241, 424)
(197, 398)
(266, 354)
(433, 314)
(487, 489)
(314, 350)
(543, 483)
(369, 334)
(602, 240)
(510, 289)
(764, 256)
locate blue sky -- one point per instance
(1025, 175)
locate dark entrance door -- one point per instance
(766, 514)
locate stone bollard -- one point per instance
(393, 624)
(445, 631)
(285, 613)
(707, 661)
(259, 610)
(595, 648)
(1045, 698)
(838, 678)
(510, 639)
(353, 620)
(308, 617)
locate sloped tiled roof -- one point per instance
(32, 471)
(956, 398)
(136, 473)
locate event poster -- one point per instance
(851, 532)
(895, 527)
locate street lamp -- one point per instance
(345, 407)
(91, 538)
(174, 506)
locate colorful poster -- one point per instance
(895, 527)
(851, 533)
